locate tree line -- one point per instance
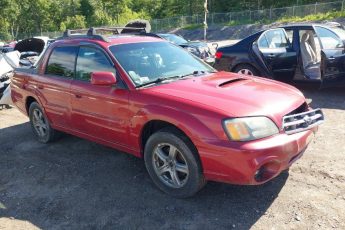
(20, 17)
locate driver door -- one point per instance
(332, 57)
(98, 111)
(278, 54)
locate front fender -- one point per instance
(194, 128)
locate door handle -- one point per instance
(271, 55)
(77, 95)
(40, 87)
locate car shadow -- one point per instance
(78, 184)
(328, 98)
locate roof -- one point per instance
(124, 39)
(309, 24)
(111, 40)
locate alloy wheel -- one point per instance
(39, 123)
(245, 72)
(170, 165)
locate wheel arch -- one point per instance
(29, 100)
(155, 125)
(244, 64)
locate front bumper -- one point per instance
(254, 162)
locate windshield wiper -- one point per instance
(196, 73)
(162, 79)
(158, 80)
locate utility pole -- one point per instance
(205, 21)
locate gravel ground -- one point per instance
(77, 184)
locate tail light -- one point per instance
(219, 55)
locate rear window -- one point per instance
(174, 38)
(62, 61)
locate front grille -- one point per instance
(302, 121)
(302, 108)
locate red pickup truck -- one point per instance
(150, 98)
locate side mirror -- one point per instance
(103, 78)
(340, 45)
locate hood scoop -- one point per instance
(226, 83)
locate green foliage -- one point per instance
(193, 26)
(315, 17)
(4, 36)
(73, 22)
(22, 18)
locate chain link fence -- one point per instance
(230, 18)
(246, 17)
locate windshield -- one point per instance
(149, 61)
(174, 38)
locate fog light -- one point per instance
(258, 174)
(267, 171)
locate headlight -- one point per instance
(249, 128)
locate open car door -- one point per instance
(278, 54)
(332, 57)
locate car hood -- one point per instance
(234, 95)
(30, 44)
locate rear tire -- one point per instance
(172, 164)
(40, 124)
(246, 69)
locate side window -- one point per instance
(274, 39)
(329, 40)
(61, 61)
(91, 60)
(289, 34)
(262, 42)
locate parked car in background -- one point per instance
(150, 98)
(198, 48)
(25, 53)
(30, 49)
(8, 47)
(293, 53)
(8, 62)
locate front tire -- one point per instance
(173, 164)
(40, 124)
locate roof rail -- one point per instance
(116, 30)
(95, 32)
